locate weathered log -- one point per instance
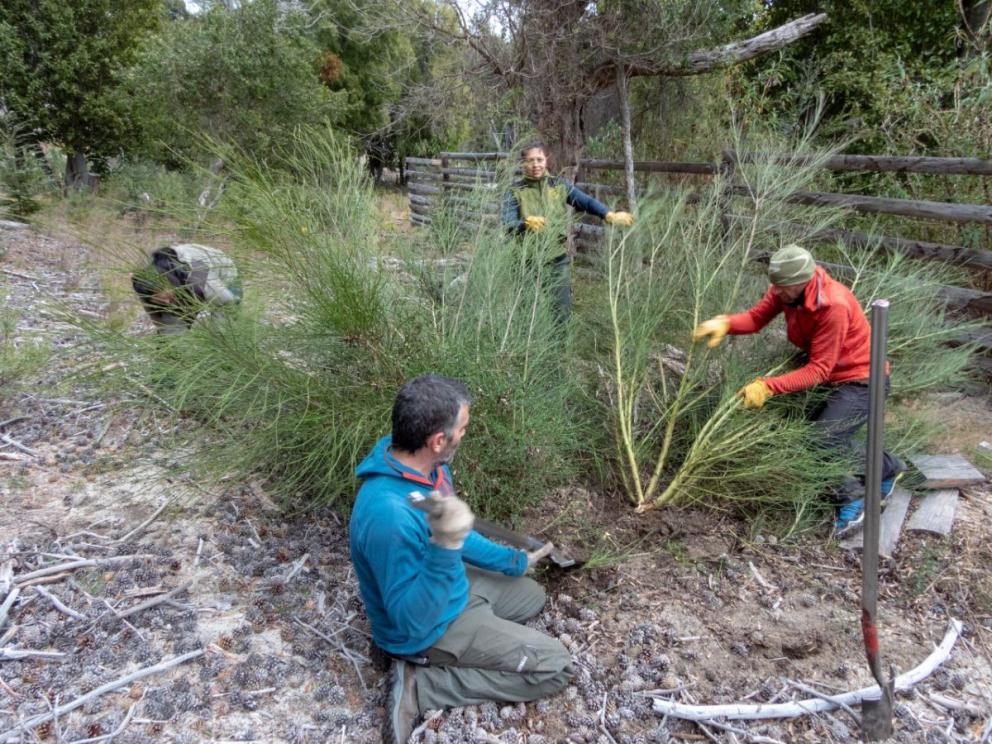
(916, 208)
(957, 254)
(489, 206)
(651, 166)
(433, 162)
(470, 172)
(421, 188)
(590, 231)
(600, 187)
(971, 301)
(882, 163)
(705, 60)
(476, 155)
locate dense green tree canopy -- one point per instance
(866, 55)
(59, 65)
(247, 76)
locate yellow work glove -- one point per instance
(535, 223)
(716, 328)
(625, 219)
(755, 394)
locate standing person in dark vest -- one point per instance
(825, 320)
(181, 281)
(539, 202)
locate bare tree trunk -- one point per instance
(976, 18)
(628, 145)
(561, 129)
(77, 171)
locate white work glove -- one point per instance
(450, 523)
(536, 556)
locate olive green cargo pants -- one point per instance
(486, 655)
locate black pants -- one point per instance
(838, 419)
(560, 286)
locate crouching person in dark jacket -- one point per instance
(181, 281)
(442, 600)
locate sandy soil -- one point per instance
(698, 611)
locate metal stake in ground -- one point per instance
(876, 715)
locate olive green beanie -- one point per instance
(791, 265)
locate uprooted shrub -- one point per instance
(298, 385)
(680, 433)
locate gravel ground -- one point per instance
(266, 605)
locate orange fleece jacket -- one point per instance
(829, 325)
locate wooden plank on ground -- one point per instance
(892, 518)
(947, 471)
(936, 512)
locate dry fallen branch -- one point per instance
(87, 563)
(30, 723)
(8, 603)
(799, 708)
(16, 654)
(59, 605)
(116, 731)
(141, 527)
(148, 603)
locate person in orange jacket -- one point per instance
(825, 320)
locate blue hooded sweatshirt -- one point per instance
(411, 587)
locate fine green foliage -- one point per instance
(19, 356)
(59, 63)
(299, 385)
(681, 436)
(22, 177)
(247, 76)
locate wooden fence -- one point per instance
(452, 174)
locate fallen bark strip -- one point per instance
(49, 570)
(60, 710)
(734, 711)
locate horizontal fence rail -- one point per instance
(446, 176)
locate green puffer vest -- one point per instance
(543, 197)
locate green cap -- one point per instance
(791, 265)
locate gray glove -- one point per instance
(450, 523)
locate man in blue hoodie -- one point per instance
(442, 600)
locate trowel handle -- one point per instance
(429, 503)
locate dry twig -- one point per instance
(148, 603)
(59, 605)
(34, 721)
(90, 562)
(141, 527)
